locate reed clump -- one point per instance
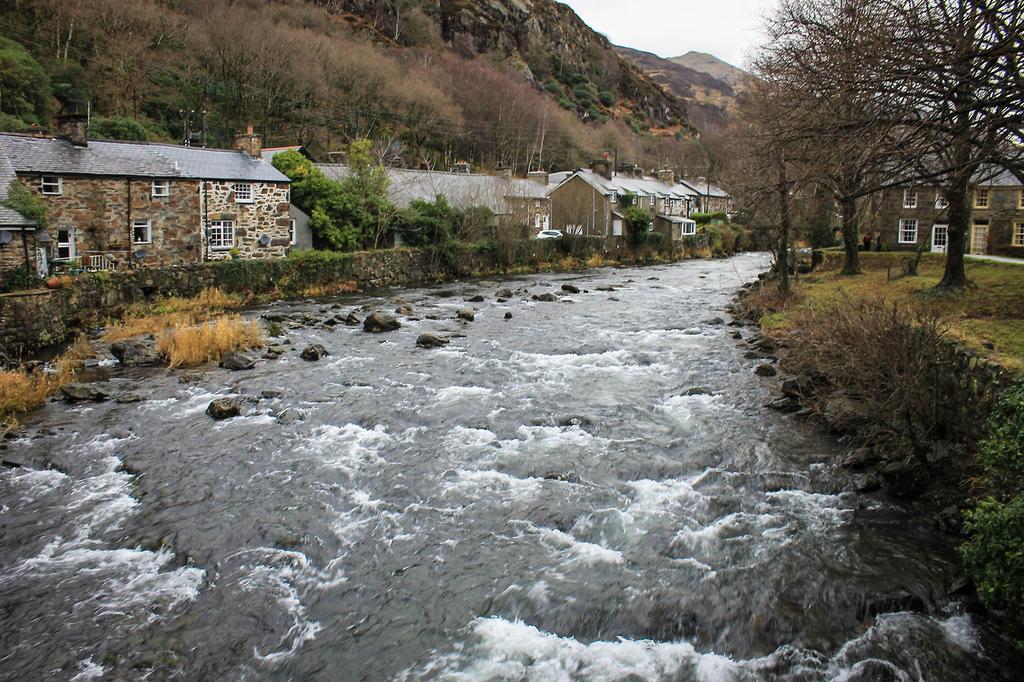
(191, 345)
(22, 390)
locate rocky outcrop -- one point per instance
(430, 341)
(237, 361)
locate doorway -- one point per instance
(979, 238)
(940, 238)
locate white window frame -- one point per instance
(1017, 238)
(613, 198)
(293, 233)
(1020, 199)
(902, 229)
(71, 243)
(222, 227)
(46, 180)
(940, 201)
(148, 224)
(161, 188)
(910, 198)
(688, 229)
(243, 196)
(979, 194)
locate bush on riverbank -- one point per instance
(994, 555)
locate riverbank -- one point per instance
(908, 379)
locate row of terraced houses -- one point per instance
(118, 205)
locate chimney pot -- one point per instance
(602, 167)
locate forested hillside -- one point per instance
(502, 83)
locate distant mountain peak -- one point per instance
(711, 65)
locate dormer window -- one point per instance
(613, 198)
(52, 185)
(161, 188)
(243, 192)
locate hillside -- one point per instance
(502, 83)
(711, 65)
(703, 82)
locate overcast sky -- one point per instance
(728, 29)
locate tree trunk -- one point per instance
(851, 237)
(782, 258)
(959, 212)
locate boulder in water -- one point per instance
(352, 321)
(505, 294)
(380, 322)
(236, 361)
(475, 299)
(430, 341)
(467, 314)
(570, 288)
(290, 416)
(508, 316)
(404, 310)
(765, 370)
(78, 393)
(545, 298)
(313, 352)
(136, 353)
(224, 408)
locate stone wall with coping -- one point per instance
(267, 215)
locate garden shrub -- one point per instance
(994, 555)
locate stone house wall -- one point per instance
(267, 215)
(525, 211)
(1001, 215)
(12, 254)
(577, 203)
(99, 210)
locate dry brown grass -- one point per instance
(768, 298)
(596, 261)
(171, 313)
(21, 391)
(331, 289)
(191, 345)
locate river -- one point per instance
(546, 498)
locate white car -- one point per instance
(548, 234)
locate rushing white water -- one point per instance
(592, 490)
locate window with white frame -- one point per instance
(243, 192)
(1018, 235)
(142, 232)
(222, 235)
(981, 198)
(161, 188)
(613, 198)
(689, 228)
(292, 234)
(51, 184)
(909, 198)
(908, 231)
(940, 201)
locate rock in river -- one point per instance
(467, 314)
(545, 298)
(570, 289)
(430, 341)
(314, 352)
(224, 408)
(765, 370)
(237, 361)
(76, 393)
(135, 353)
(352, 320)
(380, 322)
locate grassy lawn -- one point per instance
(991, 311)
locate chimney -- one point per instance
(638, 172)
(667, 176)
(461, 167)
(602, 167)
(250, 143)
(74, 128)
(338, 158)
(539, 176)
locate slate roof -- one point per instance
(8, 216)
(705, 189)
(29, 154)
(460, 189)
(620, 184)
(996, 177)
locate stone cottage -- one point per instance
(116, 205)
(908, 216)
